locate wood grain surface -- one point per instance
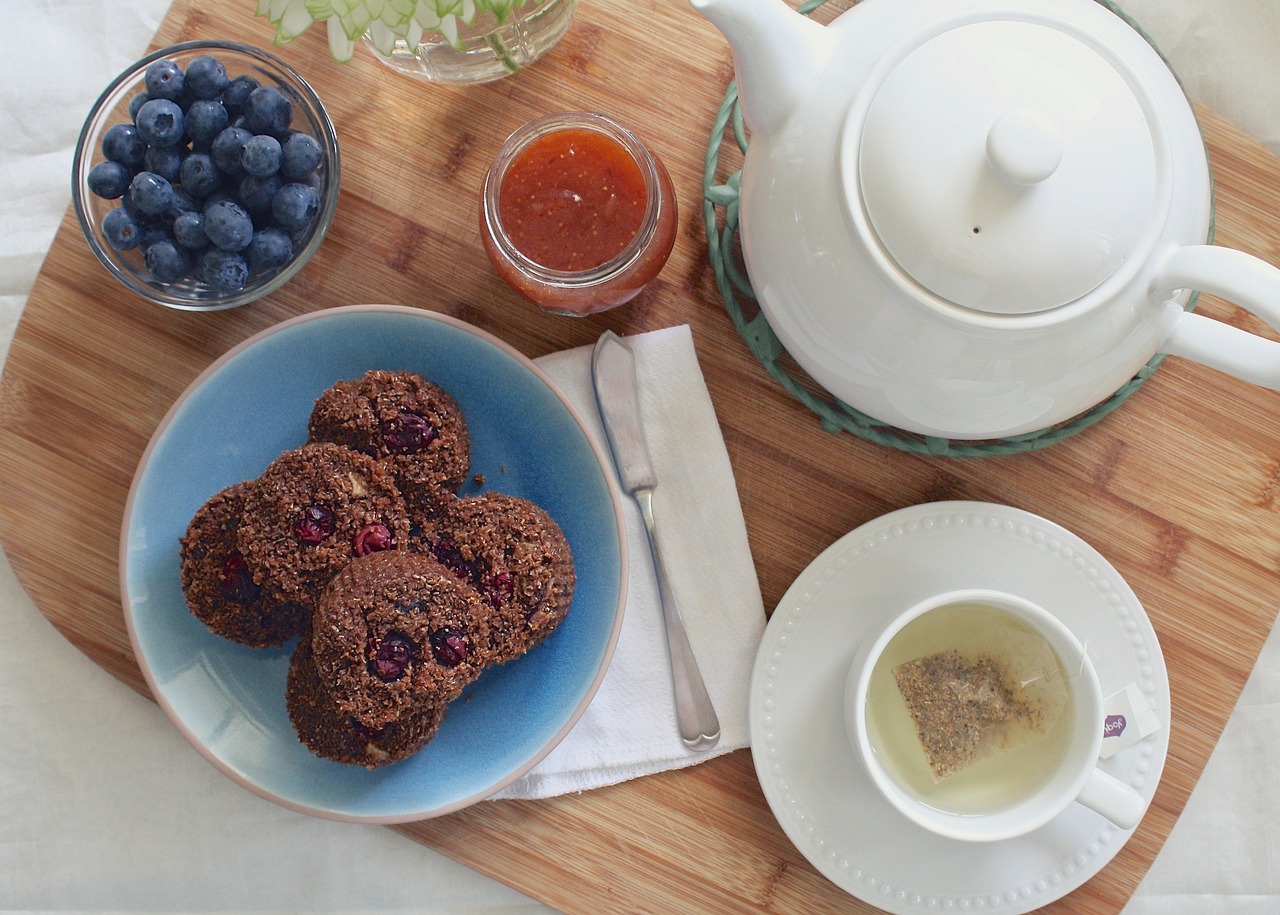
(1179, 489)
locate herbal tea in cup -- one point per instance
(979, 715)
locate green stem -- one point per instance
(501, 51)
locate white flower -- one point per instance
(290, 17)
(384, 20)
(340, 46)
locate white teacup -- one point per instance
(1009, 791)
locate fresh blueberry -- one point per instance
(122, 143)
(164, 79)
(206, 77)
(206, 118)
(218, 197)
(205, 157)
(224, 270)
(119, 229)
(139, 99)
(227, 148)
(166, 261)
(269, 249)
(150, 194)
(301, 156)
(295, 206)
(238, 89)
(161, 122)
(257, 193)
(228, 225)
(188, 231)
(199, 176)
(268, 110)
(109, 180)
(262, 156)
(182, 203)
(152, 230)
(165, 161)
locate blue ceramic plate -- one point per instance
(253, 404)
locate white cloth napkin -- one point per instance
(629, 729)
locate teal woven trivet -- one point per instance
(720, 212)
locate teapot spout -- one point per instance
(778, 53)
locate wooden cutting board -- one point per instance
(1180, 489)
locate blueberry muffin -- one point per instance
(330, 733)
(396, 629)
(512, 552)
(221, 588)
(312, 511)
(406, 422)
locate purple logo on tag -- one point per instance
(1113, 726)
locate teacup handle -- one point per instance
(1107, 795)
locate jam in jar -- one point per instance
(578, 215)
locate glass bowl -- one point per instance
(189, 290)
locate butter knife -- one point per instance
(613, 369)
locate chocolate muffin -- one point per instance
(396, 629)
(312, 511)
(425, 523)
(331, 733)
(221, 588)
(405, 421)
(512, 552)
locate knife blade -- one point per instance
(613, 372)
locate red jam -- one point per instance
(572, 199)
(578, 216)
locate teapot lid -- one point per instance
(1008, 166)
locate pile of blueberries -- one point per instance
(214, 185)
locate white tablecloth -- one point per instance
(103, 805)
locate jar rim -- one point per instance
(548, 124)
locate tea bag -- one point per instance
(969, 704)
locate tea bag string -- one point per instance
(1046, 673)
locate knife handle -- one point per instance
(695, 715)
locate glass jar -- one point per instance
(486, 49)
(578, 215)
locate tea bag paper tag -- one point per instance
(1127, 718)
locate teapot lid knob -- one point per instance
(1024, 146)
(1006, 166)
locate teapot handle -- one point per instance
(1241, 278)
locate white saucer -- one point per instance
(815, 784)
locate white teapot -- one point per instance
(974, 219)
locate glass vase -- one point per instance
(486, 49)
